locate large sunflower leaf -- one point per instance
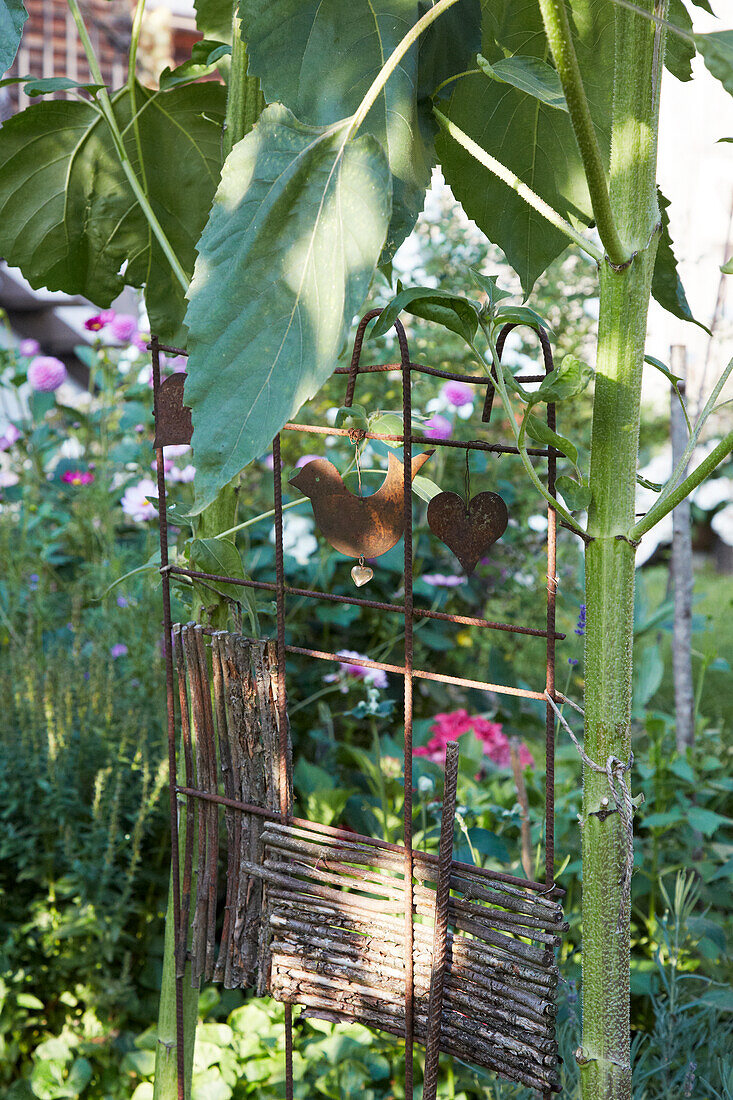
(284, 263)
(531, 138)
(319, 57)
(667, 286)
(12, 17)
(717, 53)
(68, 217)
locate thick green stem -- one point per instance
(245, 101)
(624, 300)
(559, 36)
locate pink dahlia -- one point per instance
(457, 394)
(46, 374)
(29, 347)
(438, 427)
(123, 327)
(452, 725)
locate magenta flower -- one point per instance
(443, 580)
(99, 320)
(77, 477)
(438, 427)
(141, 340)
(10, 436)
(46, 374)
(123, 327)
(118, 650)
(457, 394)
(451, 726)
(29, 347)
(374, 676)
(135, 503)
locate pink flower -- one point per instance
(135, 503)
(29, 347)
(375, 676)
(438, 427)
(10, 436)
(177, 364)
(77, 477)
(46, 374)
(442, 580)
(123, 327)
(184, 475)
(458, 394)
(118, 650)
(451, 726)
(141, 340)
(99, 320)
(305, 459)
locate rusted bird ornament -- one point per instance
(359, 527)
(468, 529)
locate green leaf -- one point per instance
(57, 84)
(448, 46)
(577, 497)
(717, 53)
(706, 822)
(68, 218)
(221, 556)
(663, 820)
(284, 264)
(727, 268)
(532, 139)
(27, 1000)
(490, 286)
(530, 75)
(214, 19)
(356, 413)
(568, 379)
(12, 17)
(675, 382)
(520, 315)
(680, 51)
(667, 287)
(319, 57)
(538, 430)
(459, 315)
(204, 59)
(648, 673)
(424, 488)
(387, 424)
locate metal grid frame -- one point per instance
(409, 673)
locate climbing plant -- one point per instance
(544, 116)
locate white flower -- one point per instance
(537, 523)
(135, 503)
(184, 475)
(722, 524)
(711, 493)
(298, 538)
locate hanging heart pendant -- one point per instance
(361, 574)
(468, 529)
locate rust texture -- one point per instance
(296, 920)
(172, 418)
(468, 528)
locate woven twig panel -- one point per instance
(335, 910)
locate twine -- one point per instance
(614, 770)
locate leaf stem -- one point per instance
(675, 496)
(257, 518)
(511, 180)
(105, 104)
(560, 38)
(393, 61)
(137, 23)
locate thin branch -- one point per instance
(560, 38)
(663, 508)
(511, 180)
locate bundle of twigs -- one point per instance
(335, 908)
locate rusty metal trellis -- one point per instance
(173, 425)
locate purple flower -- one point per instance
(99, 320)
(122, 601)
(438, 427)
(458, 394)
(118, 650)
(572, 661)
(442, 580)
(305, 459)
(9, 437)
(375, 676)
(29, 347)
(46, 374)
(123, 327)
(580, 628)
(33, 582)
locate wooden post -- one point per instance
(682, 578)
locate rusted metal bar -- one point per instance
(171, 726)
(420, 440)
(440, 924)
(399, 609)
(190, 807)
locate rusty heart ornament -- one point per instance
(468, 529)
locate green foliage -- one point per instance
(279, 277)
(530, 75)
(530, 137)
(72, 223)
(717, 53)
(666, 285)
(12, 17)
